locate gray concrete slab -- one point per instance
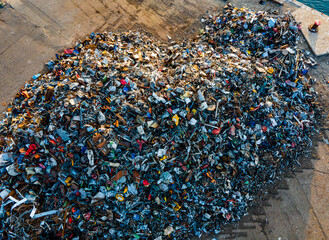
(318, 42)
(281, 2)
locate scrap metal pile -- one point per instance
(130, 138)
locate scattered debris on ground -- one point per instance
(2, 4)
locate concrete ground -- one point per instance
(317, 41)
(32, 31)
